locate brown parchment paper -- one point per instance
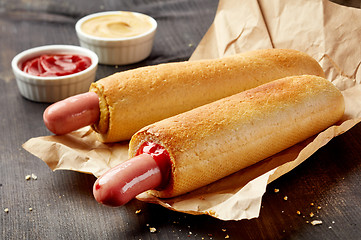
(328, 32)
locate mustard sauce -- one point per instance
(121, 25)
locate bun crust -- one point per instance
(220, 138)
(133, 99)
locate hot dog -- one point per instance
(220, 138)
(132, 99)
(150, 169)
(127, 180)
(75, 112)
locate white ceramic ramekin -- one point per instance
(118, 51)
(52, 89)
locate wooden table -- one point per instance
(60, 205)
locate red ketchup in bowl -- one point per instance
(56, 65)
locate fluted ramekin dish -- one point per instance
(121, 50)
(53, 88)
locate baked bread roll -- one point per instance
(220, 138)
(132, 99)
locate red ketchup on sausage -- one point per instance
(56, 65)
(150, 169)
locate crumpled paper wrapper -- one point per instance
(328, 32)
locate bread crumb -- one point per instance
(298, 213)
(6, 210)
(285, 198)
(312, 214)
(211, 213)
(316, 222)
(138, 211)
(312, 204)
(224, 230)
(30, 209)
(276, 190)
(152, 229)
(319, 207)
(227, 236)
(32, 176)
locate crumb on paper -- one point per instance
(211, 213)
(316, 222)
(30, 209)
(27, 177)
(312, 214)
(152, 229)
(138, 211)
(276, 190)
(33, 176)
(190, 45)
(285, 198)
(6, 210)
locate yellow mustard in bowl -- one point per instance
(118, 25)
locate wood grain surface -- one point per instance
(60, 205)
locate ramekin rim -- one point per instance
(48, 48)
(87, 17)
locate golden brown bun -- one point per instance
(133, 99)
(220, 138)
